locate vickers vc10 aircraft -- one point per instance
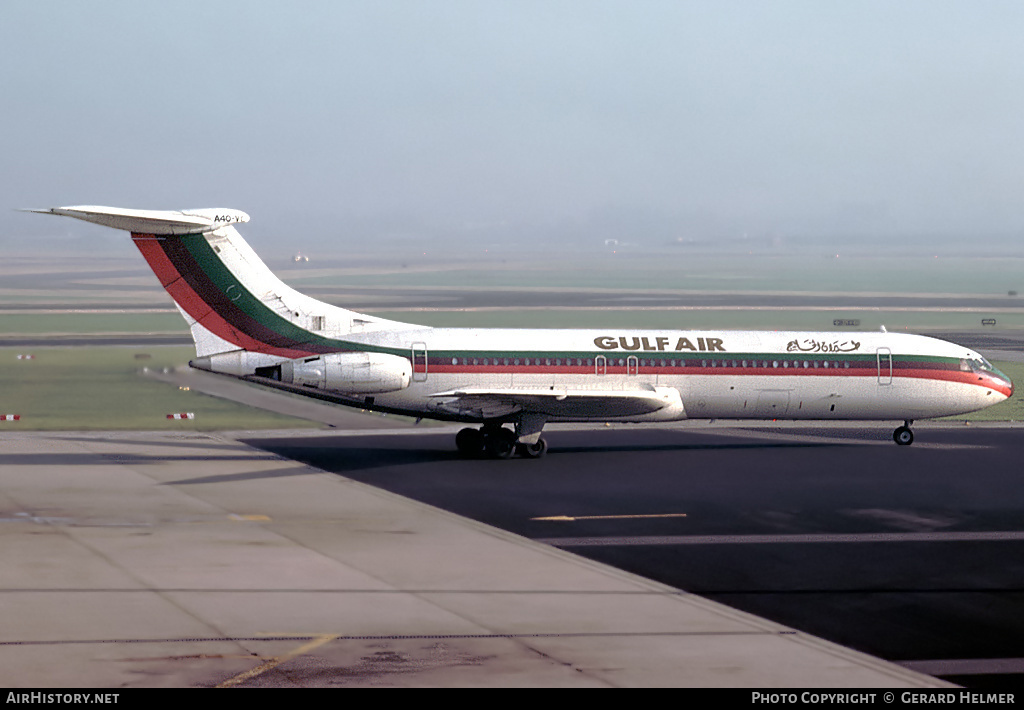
(246, 323)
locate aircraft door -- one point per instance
(419, 362)
(632, 366)
(884, 357)
(600, 365)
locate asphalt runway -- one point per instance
(405, 298)
(115, 283)
(914, 555)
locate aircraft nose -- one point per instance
(1002, 384)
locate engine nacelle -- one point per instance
(350, 373)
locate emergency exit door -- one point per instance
(419, 362)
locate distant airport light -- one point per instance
(10, 417)
(182, 415)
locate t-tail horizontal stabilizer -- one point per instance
(156, 222)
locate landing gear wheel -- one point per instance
(533, 451)
(903, 436)
(500, 442)
(470, 442)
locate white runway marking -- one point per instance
(787, 432)
(1000, 536)
(570, 519)
(967, 666)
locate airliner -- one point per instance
(248, 324)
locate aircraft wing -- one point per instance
(661, 403)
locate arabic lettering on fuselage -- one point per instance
(809, 345)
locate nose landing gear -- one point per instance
(533, 451)
(903, 436)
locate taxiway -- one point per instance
(164, 559)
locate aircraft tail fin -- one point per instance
(230, 298)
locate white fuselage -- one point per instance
(718, 374)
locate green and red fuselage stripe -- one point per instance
(939, 369)
(200, 282)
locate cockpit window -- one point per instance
(978, 364)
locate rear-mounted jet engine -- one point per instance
(349, 373)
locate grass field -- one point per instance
(90, 323)
(19, 324)
(104, 388)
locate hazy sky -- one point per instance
(541, 121)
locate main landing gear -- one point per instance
(497, 442)
(903, 435)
